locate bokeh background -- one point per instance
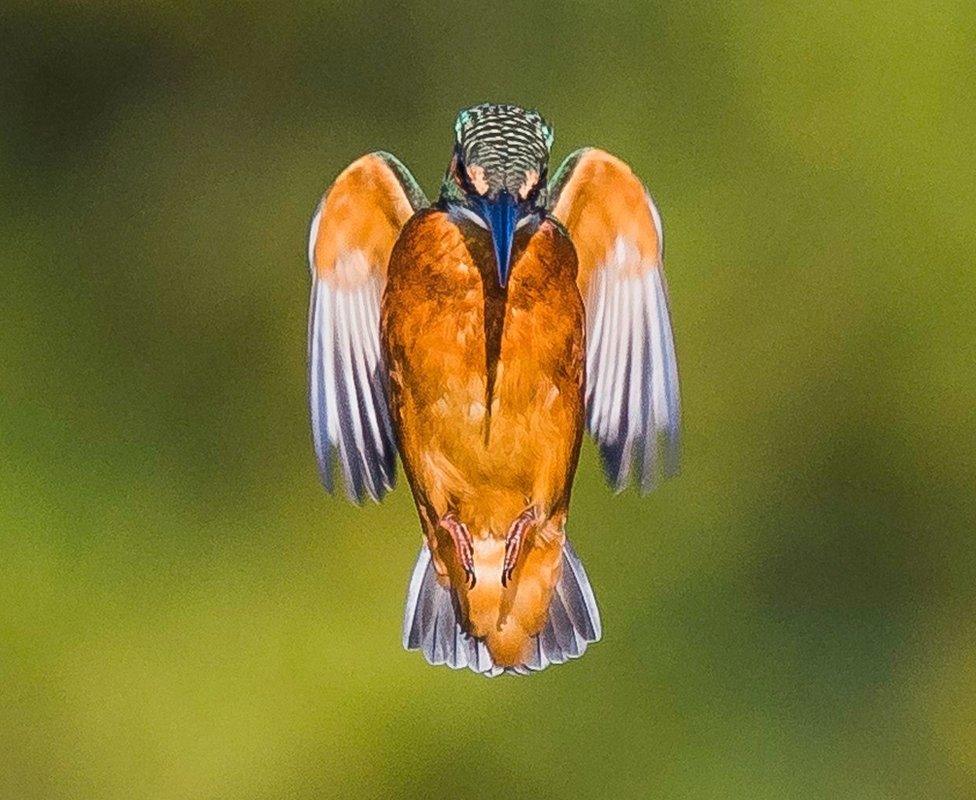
(184, 613)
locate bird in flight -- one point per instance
(476, 337)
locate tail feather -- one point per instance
(577, 596)
(431, 622)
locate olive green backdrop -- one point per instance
(184, 613)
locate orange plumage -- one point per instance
(487, 396)
(477, 338)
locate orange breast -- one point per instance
(487, 388)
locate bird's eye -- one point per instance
(457, 169)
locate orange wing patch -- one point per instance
(604, 200)
(346, 224)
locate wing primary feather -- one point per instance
(387, 449)
(621, 423)
(649, 449)
(316, 400)
(653, 419)
(331, 394)
(594, 332)
(616, 426)
(604, 368)
(327, 379)
(671, 372)
(354, 381)
(618, 407)
(374, 392)
(614, 365)
(657, 377)
(367, 446)
(609, 363)
(372, 448)
(633, 411)
(350, 435)
(360, 345)
(617, 393)
(658, 226)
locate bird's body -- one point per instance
(478, 338)
(486, 387)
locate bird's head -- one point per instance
(497, 176)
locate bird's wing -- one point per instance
(352, 233)
(632, 401)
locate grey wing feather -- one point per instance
(632, 376)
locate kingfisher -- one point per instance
(476, 337)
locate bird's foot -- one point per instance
(513, 542)
(462, 544)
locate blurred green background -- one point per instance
(184, 613)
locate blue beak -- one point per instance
(501, 214)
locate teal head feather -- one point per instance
(498, 147)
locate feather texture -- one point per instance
(431, 622)
(350, 239)
(632, 393)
